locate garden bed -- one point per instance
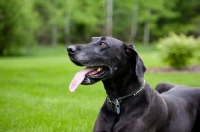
(193, 69)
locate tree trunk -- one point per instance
(146, 38)
(1, 49)
(134, 23)
(54, 27)
(109, 18)
(146, 33)
(67, 28)
(54, 35)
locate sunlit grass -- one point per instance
(34, 95)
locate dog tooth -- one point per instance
(99, 69)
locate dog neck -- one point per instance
(117, 95)
(118, 87)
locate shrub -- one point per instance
(177, 50)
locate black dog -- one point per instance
(132, 105)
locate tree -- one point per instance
(183, 18)
(67, 24)
(16, 26)
(54, 24)
(73, 21)
(134, 25)
(146, 38)
(109, 18)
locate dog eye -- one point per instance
(102, 44)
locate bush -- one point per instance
(177, 50)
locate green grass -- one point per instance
(34, 95)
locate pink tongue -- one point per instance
(79, 77)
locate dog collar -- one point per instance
(115, 103)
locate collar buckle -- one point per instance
(115, 104)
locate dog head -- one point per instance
(104, 58)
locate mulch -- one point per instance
(190, 69)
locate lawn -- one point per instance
(34, 95)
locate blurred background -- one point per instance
(26, 23)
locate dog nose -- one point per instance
(71, 49)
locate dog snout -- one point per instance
(71, 49)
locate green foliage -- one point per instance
(87, 18)
(178, 50)
(25, 22)
(186, 24)
(16, 26)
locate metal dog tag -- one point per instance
(117, 107)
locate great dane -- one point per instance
(131, 104)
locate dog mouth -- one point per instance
(97, 72)
(89, 75)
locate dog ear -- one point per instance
(98, 38)
(138, 63)
(95, 39)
